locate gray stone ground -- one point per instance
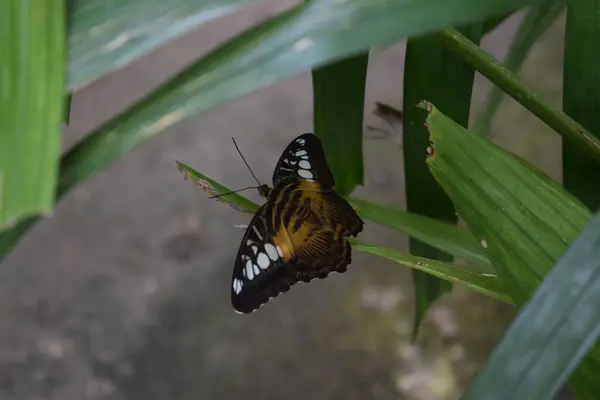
(124, 293)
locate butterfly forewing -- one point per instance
(304, 159)
(260, 271)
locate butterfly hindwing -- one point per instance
(319, 254)
(310, 244)
(304, 159)
(332, 208)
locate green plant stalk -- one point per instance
(537, 21)
(516, 88)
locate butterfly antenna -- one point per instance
(228, 193)
(245, 162)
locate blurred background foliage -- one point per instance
(477, 215)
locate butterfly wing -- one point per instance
(304, 159)
(260, 272)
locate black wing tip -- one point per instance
(307, 135)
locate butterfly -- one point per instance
(299, 233)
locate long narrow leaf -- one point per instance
(525, 220)
(211, 187)
(480, 278)
(553, 331)
(537, 21)
(313, 34)
(457, 241)
(32, 62)
(476, 277)
(108, 35)
(444, 236)
(581, 96)
(339, 101)
(104, 37)
(431, 72)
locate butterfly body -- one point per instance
(298, 234)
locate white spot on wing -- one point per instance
(279, 251)
(249, 272)
(263, 260)
(237, 285)
(271, 251)
(256, 270)
(300, 153)
(304, 164)
(305, 174)
(301, 141)
(304, 157)
(255, 249)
